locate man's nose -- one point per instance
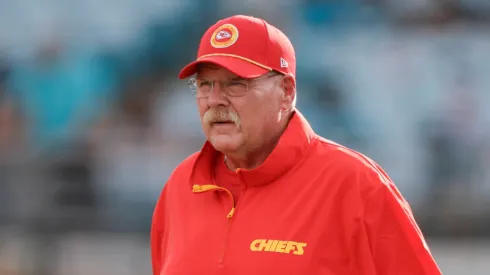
(217, 96)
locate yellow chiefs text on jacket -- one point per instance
(287, 247)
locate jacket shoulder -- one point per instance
(351, 163)
(343, 156)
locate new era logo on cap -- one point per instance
(284, 63)
(245, 45)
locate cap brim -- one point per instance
(236, 65)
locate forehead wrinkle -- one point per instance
(237, 78)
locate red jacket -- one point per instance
(313, 207)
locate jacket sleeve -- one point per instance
(393, 242)
(156, 234)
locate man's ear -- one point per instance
(289, 90)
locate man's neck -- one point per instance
(250, 160)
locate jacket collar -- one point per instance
(291, 148)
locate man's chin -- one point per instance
(225, 143)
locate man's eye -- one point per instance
(237, 84)
(204, 84)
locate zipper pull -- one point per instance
(203, 188)
(230, 215)
(196, 188)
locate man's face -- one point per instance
(239, 124)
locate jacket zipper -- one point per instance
(223, 245)
(205, 188)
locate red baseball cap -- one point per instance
(245, 45)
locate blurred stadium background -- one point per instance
(93, 118)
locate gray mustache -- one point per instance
(217, 115)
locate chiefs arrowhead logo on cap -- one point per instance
(224, 36)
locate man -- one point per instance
(266, 195)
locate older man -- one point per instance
(266, 195)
